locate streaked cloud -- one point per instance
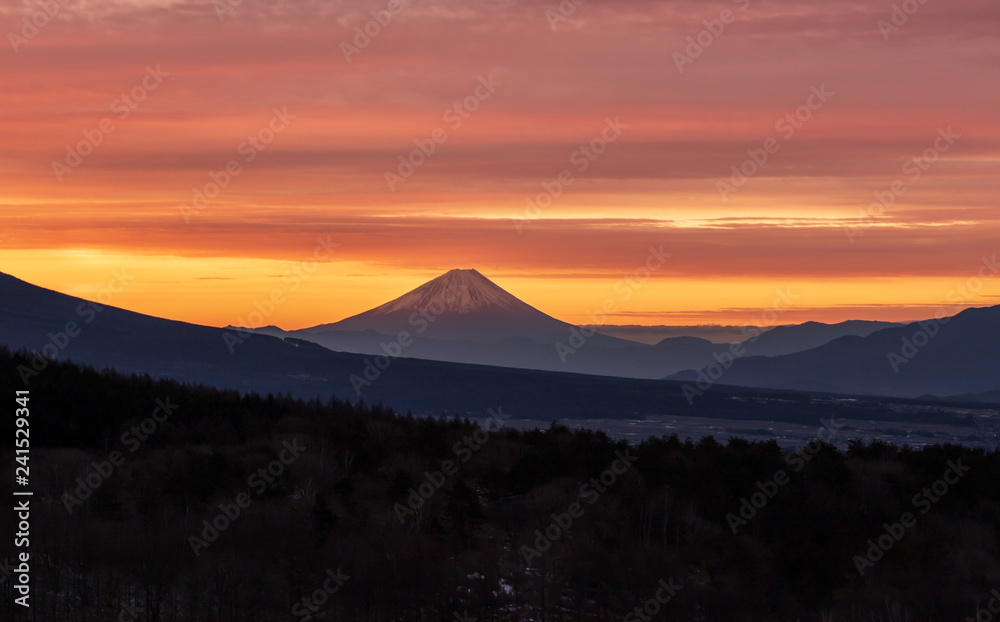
(656, 185)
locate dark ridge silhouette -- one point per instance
(956, 356)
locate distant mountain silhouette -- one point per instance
(44, 321)
(799, 337)
(951, 358)
(463, 317)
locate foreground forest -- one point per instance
(156, 501)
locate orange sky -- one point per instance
(324, 173)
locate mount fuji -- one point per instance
(459, 305)
(463, 317)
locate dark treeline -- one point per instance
(515, 525)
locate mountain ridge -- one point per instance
(952, 356)
(476, 321)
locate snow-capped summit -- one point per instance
(456, 291)
(459, 304)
